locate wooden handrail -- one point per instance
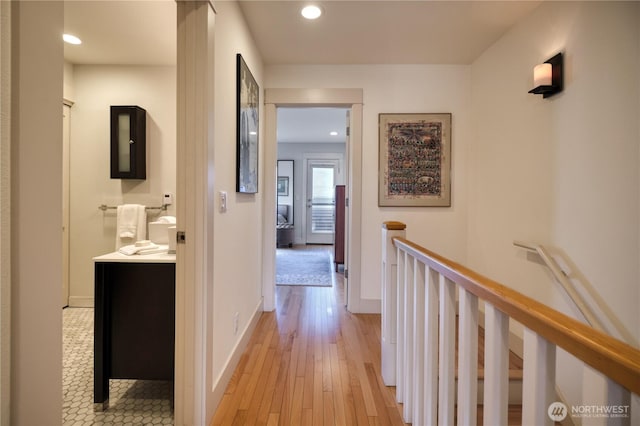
(612, 357)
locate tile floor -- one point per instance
(132, 402)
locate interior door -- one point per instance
(321, 203)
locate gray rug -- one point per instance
(300, 267)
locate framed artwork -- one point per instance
(247, 129)
(414, 160)
(283, 185)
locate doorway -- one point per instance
(311, 148)
(349, 99)
(321, 201)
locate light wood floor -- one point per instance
(311, 362)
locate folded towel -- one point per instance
(137, 248)
(167, 219)
(131, 224)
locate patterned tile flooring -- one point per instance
(132, 402)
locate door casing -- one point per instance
(349, 98)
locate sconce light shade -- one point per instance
(548, 77)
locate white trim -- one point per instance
(234, 358)
(194, 259)
(269, 202)
(81, 302)
(317, 97)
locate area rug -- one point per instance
(300, 267)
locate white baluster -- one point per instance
(447, 353)
(389, 305)
(432, 280)
(601, 393)
(418, 343)
(407, 406)
(468, 359)
(539, 379)
(402, 256)
(496, 366)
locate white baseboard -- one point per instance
(81, 302)
(232, 362)
(366, 306)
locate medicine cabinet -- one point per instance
(128, 142)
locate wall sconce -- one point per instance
(548, 77)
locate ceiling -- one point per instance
(311, 125)
(380, 32)
(129, 32)
(143, 32)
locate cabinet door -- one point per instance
(128, 142)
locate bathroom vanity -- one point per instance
(134, 328)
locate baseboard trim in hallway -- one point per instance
(234, 359)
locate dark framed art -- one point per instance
(283, 185)
(414, 160)
(247, 114)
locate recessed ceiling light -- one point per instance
(334, 133)
(311, 12)
(71, 39)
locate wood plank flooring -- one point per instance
(311, 362)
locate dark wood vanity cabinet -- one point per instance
(128, 142)
(134, 323)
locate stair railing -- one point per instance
(561, 278)
(418, 343)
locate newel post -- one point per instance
(390, 230)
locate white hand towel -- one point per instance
(131, 224)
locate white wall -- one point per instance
(238, 232)
(68, 89)
(36, 214)
(95, 88)
(398, 89)
(562, 171)
(298, 152)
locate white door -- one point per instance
(66, 110)
(321, 203)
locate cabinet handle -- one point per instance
(131, 142)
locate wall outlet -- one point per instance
(236, 319)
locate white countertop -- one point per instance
(118, 257)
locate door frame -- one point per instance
(343, 98)
(66, 221)
(339, 179)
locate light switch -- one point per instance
(223, 201)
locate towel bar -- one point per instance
(104, 207)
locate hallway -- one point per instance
(310, 362)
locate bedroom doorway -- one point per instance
(277, 100)
(310, 161)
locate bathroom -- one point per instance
(91, 87)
